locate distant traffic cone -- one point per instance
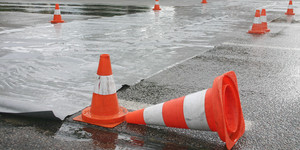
(57, 16)
(156, 6)
(104, 110)
(257, 26)
(263, 18)
(290, 10)
(204, 1)
(216, 109)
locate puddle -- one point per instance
(45, 126)
(286, 19)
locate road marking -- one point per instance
(261, 46)
(132, 105)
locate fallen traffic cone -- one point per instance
(57, 16)
(257, 26)
(263, 18)
(216, 109)
(104, 110)
(290, 10)
(156, 6)
(204, 1)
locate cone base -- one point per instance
(104, 121)
(267, 30)
(156, 9)
(256, 32)
(289, 13)
(57, 21)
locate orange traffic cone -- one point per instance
(204, 1)
(57, 16)
(263, 18)
(290, 10)
(156, 6)
(104, 110)
(257, 26)
(216, 109)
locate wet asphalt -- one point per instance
(268, 72)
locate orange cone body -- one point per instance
(104, 110)
(156, 6)
(290, 10)
(204, 1)
(257, 26)
(57, 16)
(216, 109)
(263, 18)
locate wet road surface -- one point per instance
(207, 40)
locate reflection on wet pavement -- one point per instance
(134, 137)
(73, 9)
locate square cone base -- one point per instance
(54, 21)
(256, 32)
(103, 121)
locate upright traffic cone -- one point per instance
(290, 10)
(104, 110)
(204, 1)
(263, 18)
(257, 26)
(216, 109)
(57, 16)
(156, 6)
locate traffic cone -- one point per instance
(216, 109)
(263, 18)
(156, 6)
(104, 110)
(57, 16)
(290, 10)
(257, 26)
(204, 1)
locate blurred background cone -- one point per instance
(57, 16)
(156, 6)
(104, 110)
(257, 26)
(290, 10)
(263, 18)
(216, 109)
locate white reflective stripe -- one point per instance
(156, 2)
(153, 115)
(263, 18)
(194, 111)
(105, 85)
(290, 7)
(57, 12)
(256, 20)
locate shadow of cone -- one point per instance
(216, 109)
(57, 16)
(290, 10)
(104, 110)
(257, 26)
(264, 20)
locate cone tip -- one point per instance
(135, 117)
(104, 68)
(56, 6)
(257, 13)
(104, 56)
(263, 12)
